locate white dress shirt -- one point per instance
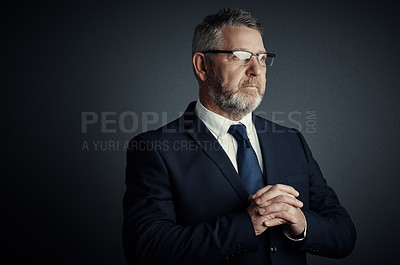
(219, 126)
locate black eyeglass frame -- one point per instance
(272, 55)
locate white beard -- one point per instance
(238, 101)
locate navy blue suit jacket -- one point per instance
(185, 203)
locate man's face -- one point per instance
(238, 89)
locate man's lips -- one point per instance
(251, 86)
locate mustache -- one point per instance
(252, 81)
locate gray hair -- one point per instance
(208, 34)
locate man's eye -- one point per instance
(236, 58)
(263, 58)
(241, 56)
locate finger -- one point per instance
(276, 191)
(288, 189)
(261, 192)
(288, 199)
(253, 207)
(275, 208)
(268, 194)
(290, 217)
(271, 191)
(274, 222)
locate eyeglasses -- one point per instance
(244, 57)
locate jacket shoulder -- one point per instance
(272, 127)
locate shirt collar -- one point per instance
(218, 124)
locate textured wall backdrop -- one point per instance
(81, 79)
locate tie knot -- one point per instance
(238, 131)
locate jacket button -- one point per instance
(273, 249)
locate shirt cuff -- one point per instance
(296, 238)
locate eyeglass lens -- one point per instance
(244, 57)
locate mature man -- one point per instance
(222, 185)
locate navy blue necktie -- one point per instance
(248, 166)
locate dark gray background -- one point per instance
(62, 204)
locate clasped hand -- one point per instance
(277, 205)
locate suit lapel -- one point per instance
(204, 138)
(264, 133)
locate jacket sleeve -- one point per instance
(330, 230)
(151, 234)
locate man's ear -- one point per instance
(200, 65)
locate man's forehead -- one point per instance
(242, 38)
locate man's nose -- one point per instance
(254, 68)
